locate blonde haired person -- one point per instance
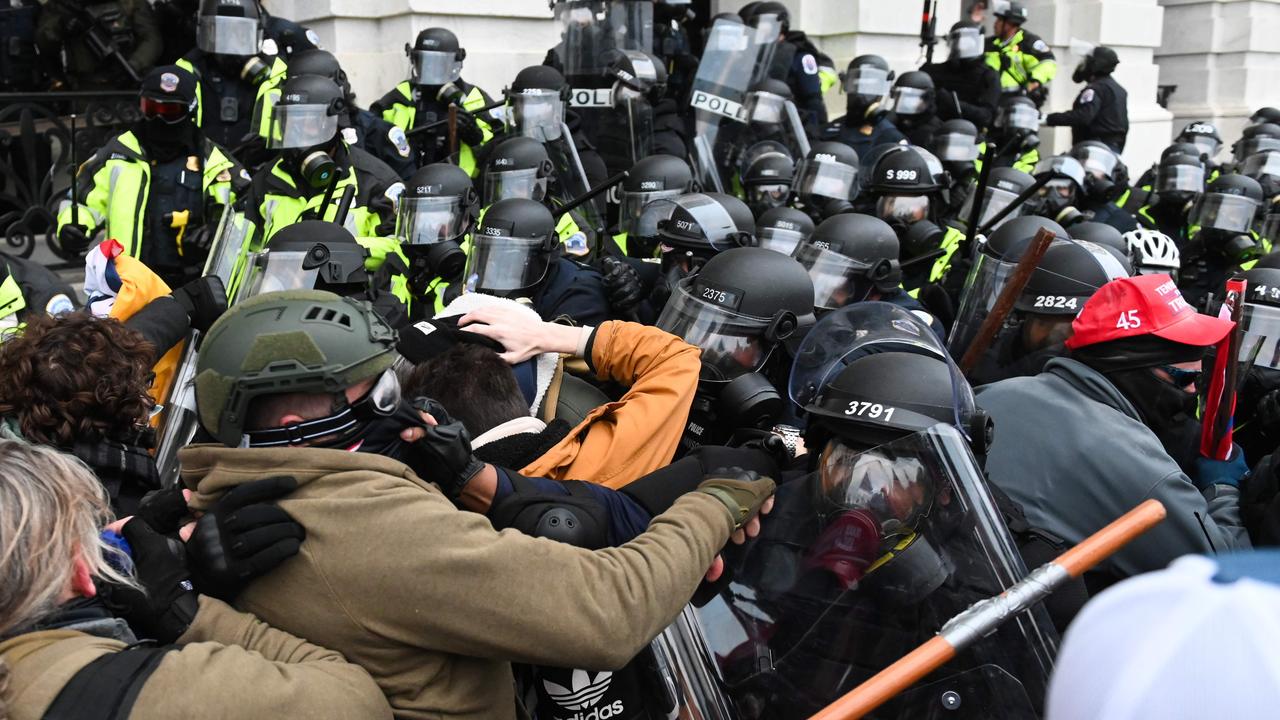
(61, 650)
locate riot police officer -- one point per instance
(865, 124)
(108, 44)
(516, 253)
(782, 229)
(796, 62)
(1106, 179)
(914, 106)
(435, 82)
(653, 179)
(644, 120)
(1221, 236)
(907, 198)
(1204, 135)
(360, 128)
(766, 173)
(1024, 61)
(157, 186)
(1101, 110)
(956, 146)
(316, 165)
(519, 167)
(27, 288)
(1017, 134)
(826, 180)
(237, 83)
(1257, 416)
(434, 219)
(967, 88)
(1178, 183)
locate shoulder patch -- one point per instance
(1040, 45)
(576, 245)
(1086, 97)
(397, 137)
(350, 136)
(392, 193)
(810, 64)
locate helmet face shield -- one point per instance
(903, 208)
(1180, 178)
(275, 270)
(995, 200)
(966, 43)
(1018, 117)
(538, 114)
(433, 67)
(909, 100)
(505, 264)
(1254, 145)
(766, 108)
(1261, 326)
(301, 126)
(867, 80)
(779, 239)
(652, 215)
(1262, 164)
(1230, 213)
(837, 280)
(529, 184)
(823, 178)
(221, 35)
(429, 220)
(895, 490)
(731, 343)
(1207, 145)
(956, 147)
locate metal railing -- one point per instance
(36, 159)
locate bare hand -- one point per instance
(749, 530)
(414, 434)
(522, 338)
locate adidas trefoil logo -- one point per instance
(585, 692)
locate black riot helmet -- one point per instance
(965, 41)
(1004, 185)
(636, 74)
(1018, 121)
(1255, 139)
(1106, 237)
(645, 199)
(437, 209)
(316, 62)
(517, 167)
(1264, 167)
(902, 171)
(537, 102)
(1012, 12)
(1225, 215)
(512, 248)
(1265, 115)
(702, 225)
(767, 173)
(752, 12)
(736, 319)
(1067, 276)
(826, 179)
(866, 82)
(1013, 238)
(435, 57)
(766, 103)
(1204, 135)
(304, 125)
(1057, 198)
(1179, 178)
(782, 229)
(956, 144)
(913, 95)
(1100, 62)
(311, 255)
(904, 186)
(290, 37)
(229, 27)
(847, 257)
(1105, 176)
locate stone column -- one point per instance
(1224, 56)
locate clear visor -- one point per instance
(730, 342)
(1205, 144)
(301, 126)
(766, 108)
(652, 215)
(1255, 145)
(634, 203)
(909, 101)
(956, 147)
(905, 208)
(1180, 178)
(835, 277)
(228, 35)
(429, 220)
(892, 490)
(1232, 213)
(1067, 167)
(1262, 164)
(1261, 325)
(827, 179)
(433, 67)
(1098, 162)
(779, 239)
(867, 80)
(538, 114)
(766, 196)
(966, 43)
(504, 264)
(1019, 117)
(1271, 227)
(996, 199)
(276, 270)
(523, 184)
(713, 221)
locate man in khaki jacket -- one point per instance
(431, 600)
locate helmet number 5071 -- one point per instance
(875, 411)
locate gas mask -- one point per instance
(315, 166)
(1235, 247)
(719, 410)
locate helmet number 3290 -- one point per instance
(875, 411)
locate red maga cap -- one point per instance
(1144, 305)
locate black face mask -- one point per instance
(165, 141)
(381, 434)
(1164, 408)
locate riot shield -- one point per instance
(719, 89)
(571, 183)
(585, 39)
(178, 426)
(631, 25)
(860, 562)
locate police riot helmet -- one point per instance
(636, 74)
(1058, 195)
(317, 62)
(699, 226)
(311, 255)
(1260, 319)
(867, 83)
(1262, 287)
(767, 173)
(1153, 253)
(537, 98)
(766, 102)
(1265, 115)
(828, 172)
(1179, 178)
(1012, 12)
(752, 12)
(305, 124)
(1018, 114)
(1100, 61)
(734, 318)
(847, 257)
(902, 171)
(297, 341)
(956, 141)
(435, 212)
(1107, 237)
(645, 199)
(1204, 135)
(290, 37)
(1264, 167)
(435, 57)
(229, 27)
(517, 167)
(782, 229)
(1228, 205)
(1255, 139)
(912, 94)
(965, 41)
(1014, 237)
(1004, 186)
(1067, 276)
(512, 248)
(1105, 175)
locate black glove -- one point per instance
(469, 131)
(164, 509)
(1267, 414)
(196, 243)
(445, 452)
(622, 284)
(741, 491)
(243, 536)
(73, 238)
(204, 299)
(1039, 95)
(163, 608)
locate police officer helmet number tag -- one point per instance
(870, 410)
(720, 295)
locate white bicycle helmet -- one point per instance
(1153, 252)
